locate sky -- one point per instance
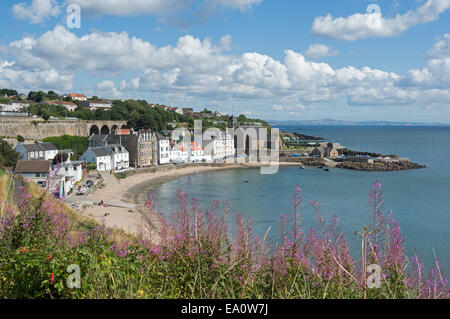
(271, 59)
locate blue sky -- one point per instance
(281, 60)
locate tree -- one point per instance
(8, 156)
(20, 139)
(91, 167)
(8, 92)
(51, 95)
(45, 114)
(78, 144)
(37, 97)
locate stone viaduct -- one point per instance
(37, 129)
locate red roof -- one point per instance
(195, 147)
(60, 103)
(77, 95)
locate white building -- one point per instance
(178, 110)
(37, 171)
(94, 105)
(197, 154)
(78, 97)
(8, 108)
(68, 105)
(100, 156)
(111, 157)
(71, 173)
(219, 145)
(120, 157)
(37, 151)
(179, 154)
(163, 149)
(17, 105)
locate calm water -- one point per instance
(419, 199)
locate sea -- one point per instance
(418, 199)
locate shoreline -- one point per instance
(134, 190)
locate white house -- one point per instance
(179, 153)
(68, 105)
(163, 149)
(94, 105)
(70, 173)
(37, 171)
(197, 155)
(219, 145)
(120, 157)
(111, 157)
(17, 105)
(78, 97)
(37, 151)
(7, 108)
(100, 156)
(178, 110)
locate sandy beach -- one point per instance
(134, 190)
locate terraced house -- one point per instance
(106, 158)
(37, 151)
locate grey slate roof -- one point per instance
(101, 151)
(32, 147)
(98, 139)
(40, 147)
(48, 146)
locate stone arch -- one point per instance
(94, 130)
(114, 129)
(105, 130)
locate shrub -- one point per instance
(192, 254)
(91, 167)
(78, 144)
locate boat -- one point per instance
(326, 169)
(302, 167)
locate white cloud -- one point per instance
(108, 89)
(293, 108)
(317, 51)
(14, 76)
(437, 70)
(371, 25)
(204, 70)
(277, 107)
(158, 7)
(37, 12)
